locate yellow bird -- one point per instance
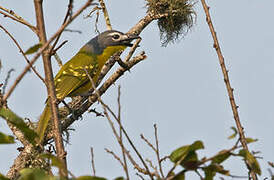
(72, 79)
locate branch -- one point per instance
(157, 150)
(61, 154)
(121, 132)
(228, 85)
(92, 162)
(103, 6)
(106, 109)
(17, 18)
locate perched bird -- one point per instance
(72, 79)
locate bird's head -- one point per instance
(115, 38)
(108, 42)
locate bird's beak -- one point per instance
(128, 38)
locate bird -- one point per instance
(72, 79)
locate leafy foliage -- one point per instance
(251, 159)
(2, 177)
(35, 174)
(179, 20)
(33, 49)
(15, 120)
(6, 139)
(186, 155)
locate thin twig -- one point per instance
(17, 18)
(37, 55)
(121, 132)
(92, 162)
(228, 85)
(157, 150)
(204, 160)
(115, 156)
(22, 52)
(73, 31)
(103, 6)
(57, 58)
(156, 173)
(56, 49)
(148, 143)
(140, 176)
(106, 108)
(68, 15)
(132, 49)
(7, 80)
(199, 174)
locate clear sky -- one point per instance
(179, 87)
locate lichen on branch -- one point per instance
(180, 19)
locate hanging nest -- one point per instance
(179, 20)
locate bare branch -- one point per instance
(103, 6)
(92, 162)
(148, 143)
(7, 80)
(121, 132)
(157, 150)
(17, 18)
(115, 156)
(132, 50)
(228, 85)
(106, 108)
(61, 154)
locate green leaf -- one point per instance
(15, 120)
(55, 161)
(196, 146)
(179, 176)
(33, 49)
(234, 134)
(210, 171)
(250, 140)
(191, 161)
(221, 157)
(6, 139)
(187, 155)
(2, 177)
(34, 174)
(252, 160)
(182, 152)
(179, 154)
(209, 174)
(90, 178)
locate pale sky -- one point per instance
(180, 87)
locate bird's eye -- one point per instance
(116, 36)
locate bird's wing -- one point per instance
(72, 75)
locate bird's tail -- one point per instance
(43, 122)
